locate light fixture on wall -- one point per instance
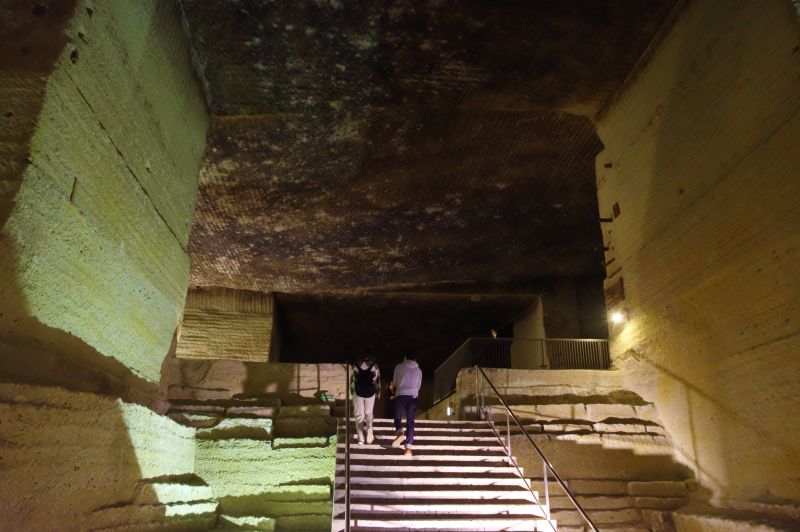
(618, 317)
(449, 410)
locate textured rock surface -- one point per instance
(705, 519)
(360, 145)
(225, 379)
(701, 158)
(287, 480)
(235, 467)
(98, 201)
(222, 324)
(604, 440)
(73, 453)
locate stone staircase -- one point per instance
(458, 479)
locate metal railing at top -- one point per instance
(520, 353)
(484, 387)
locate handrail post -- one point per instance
(347, 450)
(477, 401)
(508, 435)
(546, 489)
(548, 467)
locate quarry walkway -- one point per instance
(460, 478)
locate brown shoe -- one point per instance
(408, 452)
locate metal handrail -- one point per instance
(528, 484)
(347, 450)
(521, 353)
(548, 466)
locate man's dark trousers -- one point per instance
(407, 404)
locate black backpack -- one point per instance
(365, 382)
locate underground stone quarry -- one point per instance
(582, 218)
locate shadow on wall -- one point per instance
(61, 467)
(203, 380)
(574, 460)
(705, 173)
(32, 351)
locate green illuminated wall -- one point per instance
(98, 189)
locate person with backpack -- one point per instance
(365, 386)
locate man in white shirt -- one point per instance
(407, 381)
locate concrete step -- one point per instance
(420, 454)
(394, 492)
(425, 423)
(422, 460)
(406, 467)
(417, 479)
(428, 448)
(389, 429)
(614, 528)
(468, 522)
(437, 439)
(443, 507)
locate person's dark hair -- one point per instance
(411, 356)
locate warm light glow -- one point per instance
(619, 317)
(449, 410)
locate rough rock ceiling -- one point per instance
(410, 145)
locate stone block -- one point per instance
(305, 426)
(254, 411)
(658, 488)
(247, 522)
(196, 408)
(225, 324)
(182, 489)
(632, 428)
(598, 487)
(195, 420)
(247, 467)
(288, 443)
(305, 410)
(599, 517)
(180, 516)
(602, 411)
(256, 428)
(661, 503)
